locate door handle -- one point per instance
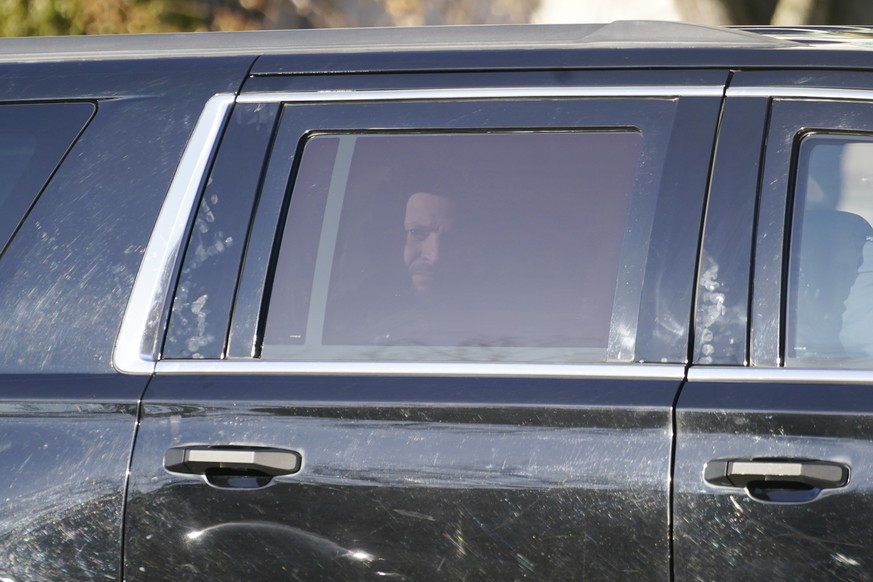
(230, 465)
(778, 480)
(813, 474)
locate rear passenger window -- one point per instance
(501, 246)
(830, 301)
(33, 139)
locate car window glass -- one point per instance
(830, 302)
(33, 139)
(499, 246)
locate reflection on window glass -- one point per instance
(447, 247)
(830, 306)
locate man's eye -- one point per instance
(417, 234)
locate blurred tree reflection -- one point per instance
(60, 17)
(54, 17)
(57, 17)
(781, 12)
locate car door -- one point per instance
(453, 345)
(774, 434)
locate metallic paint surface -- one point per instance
(725, 529)
(412, 491)
(64, 460)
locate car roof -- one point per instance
(621, 43)
(471, 38)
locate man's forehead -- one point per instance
(429, 206)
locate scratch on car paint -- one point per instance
(414, 514)
(846, 560)
(456, 538)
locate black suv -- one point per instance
(557, 303)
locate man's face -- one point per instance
(428, 218)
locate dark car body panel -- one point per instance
(131, 149)
(66, 448)
(430, 478)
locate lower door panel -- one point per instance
(428, 479)
(776, 527)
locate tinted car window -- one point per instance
(502, 246)
(33, 139)
(831, 275)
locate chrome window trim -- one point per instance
(328, 368)
(142, 316)
(778, 375)
(456, 94)
(802, 93)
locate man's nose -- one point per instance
(430, 248)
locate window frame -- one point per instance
(133, 355)
(827, 103)
(792, 118)
(434, 115)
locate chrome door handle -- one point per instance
(740, 473)
(203, 460)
